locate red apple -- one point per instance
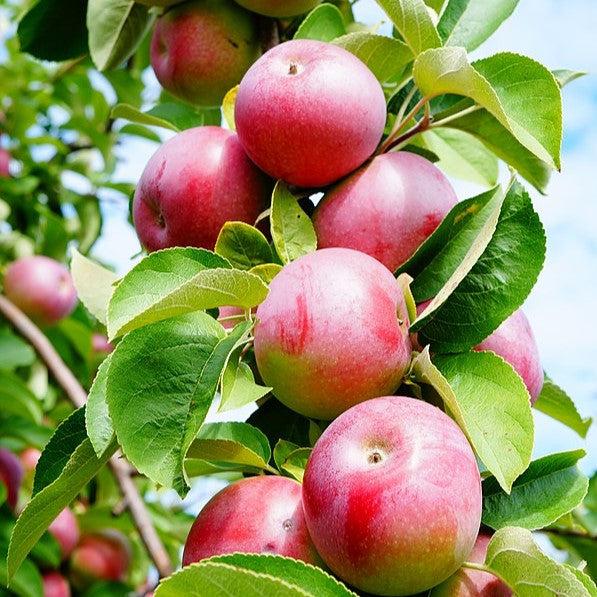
(279, 8)
(100, 344)
(385, 209)
(392, 496)
(41, 287)
(473, 583)
(65, 530)
(309, 112)
(254, 515)
(332, 332)
(515, 343)
(195, 183)
(104, 556)
(55, 585)
(29, 459)
(201, 49)
(11, 475)
(4, 163)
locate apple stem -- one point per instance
(394, 138)
(485, 568)
(78, 396)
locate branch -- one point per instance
(269, 33)
(78, 396)
(568, 533)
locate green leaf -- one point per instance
(485, 396)
(47, 551)
(66, 438)
(414, 23)
(97, 416)
(564, 76)
(447, 256)
(176, 281)
(252, 576)
(307, 576)
(243, 245)
(469, 23)
(499, 140)
(521, 93)
(323, 23)
(54, 30)
(514, 555)
(3, 494)
(295, 463)
(161, 382)
(385, 57)
(497, 284)
(228, 104)
(94, 284)
(17, 399)
(27, 580)
(279, 422)
(282, 450)
(266, 272)
(43, 508)
(173, 116)
(30, 433)
(231, 444)
(551, 487)
(239, 387)
(116, 28)
(14, 352)
(462, 155)
(292, 231)
(554, 402)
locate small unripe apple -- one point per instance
(100, 344)
(392, 496)
(201, 49)
(104, 556)
(515, 343)
(30, 458)
(332, 332)
(254, 515)
(55, 585)
(195, 183)
(279, 8)
(309, 112)
(65, 529)
(41, 287)
(4, 163)
(474, 583)
(386, 209)
(11, 475)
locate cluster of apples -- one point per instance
(391, 499)
(85, 558)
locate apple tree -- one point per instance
(316, 316)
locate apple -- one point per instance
(201, 49)
(515, 343)
(279, 8)
(4, 163)
(255, 515)
(392, 496)
(65, 529)
(386, 209)
(309, 112)
(55, 585)
(104, 556)
(195, 183)
(100, 344)
(30, 458)
(11, 475)
(474, 583)
(332, 332)
(41, 287)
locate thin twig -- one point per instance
(568, 533)
(77, 395)
(455, 116)
(393, 138)
(484, 568)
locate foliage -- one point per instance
(65, 125)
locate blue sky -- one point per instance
(561, 307)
